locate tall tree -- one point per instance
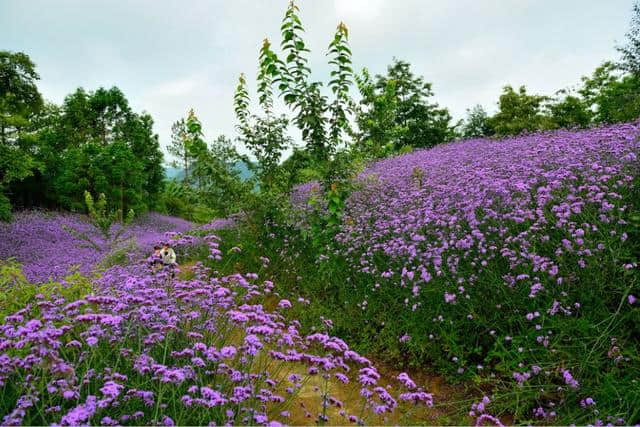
(476, 124)
(107, 148)
(322, 123)
(19, 96)
(179, 148)
(20, 101)
(101, 116)
(265, 136)
(145, 146)
(518, 112)
(613, 96)
(376, 116)
(569, 111)
(401, 98)
(630, 51)
(195, 144)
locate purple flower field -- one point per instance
(494, 262)
(470, 200)
(145, 349)
(38, 241)
(504, 251)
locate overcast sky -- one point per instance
(169, 56)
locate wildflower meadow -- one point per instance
(313, 237)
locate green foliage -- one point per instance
(300, 167)
(94, 143)
(268, 213)
(12, 283)
(323, 124)
(20, 101)
(340, 54)
(518, 112)
(16, 292)
(5, 208)
(378, 128)
(304, 263)
(195, 146)
(476, 125)
(607, 96)
(212, 186)
(119, 256)
(179, 148)
(571, 111)
(202, 214)
(395, 110)
(631, 50)
(102, 219)
(615, 97)
(19, 96)
(176, 200)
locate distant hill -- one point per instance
(243, 169)
(178, 173)
(173, 173)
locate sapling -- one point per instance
(102, 219)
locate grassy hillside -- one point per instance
(503, 275)
(510, 266)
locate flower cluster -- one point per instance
(145, 348)
(499, 239)
(38, 240)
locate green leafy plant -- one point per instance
(322, 123)
(395, 109)
(16, 292)
(102, 219)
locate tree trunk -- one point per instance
(186, 170)
(121, 202)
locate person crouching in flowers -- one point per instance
(155, 260)
(168, 257)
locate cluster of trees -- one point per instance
(323, 120)
(609, 95)
(395, 111)
(211, 185)
(50, 155)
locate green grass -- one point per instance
(582, 342)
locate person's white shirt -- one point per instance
(168, 256)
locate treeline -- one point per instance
(610, 95)
(394, 112)
(211, 185)
(51, 154)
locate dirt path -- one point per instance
(308, 402)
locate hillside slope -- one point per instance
(510, 264)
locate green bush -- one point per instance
(202, 214)
(120, 256)
(16, 291)
(5, 207)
